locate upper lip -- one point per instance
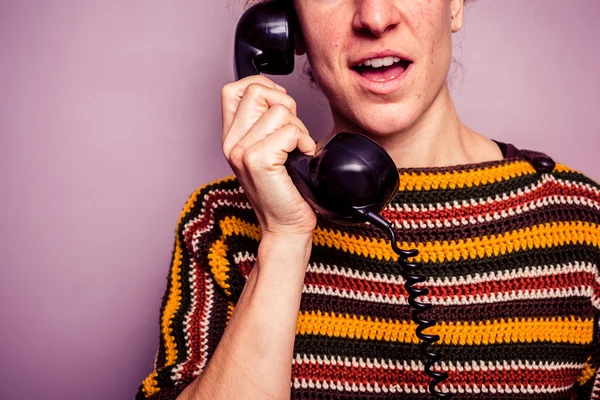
(378, 54)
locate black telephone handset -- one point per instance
(351, 178)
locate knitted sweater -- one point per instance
(511, 253)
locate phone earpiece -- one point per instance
(264, 40)
(350, 176)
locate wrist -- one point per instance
(284, 253)
(293, 241)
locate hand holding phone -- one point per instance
(260, 128)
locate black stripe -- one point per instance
(576, 177)
(520, 259)
(322, 394)
(316, 394)
(512, 261)
(162, 354)
(536, 351)
(466, 193)
(177, 324)
(549, 214)
(542, 308)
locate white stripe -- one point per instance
(220, 203)
(204, 325)
(416, 389)
(444, 366)
(410, 223)
(581, 291)
(493, 276)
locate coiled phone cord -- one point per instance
(411, 277)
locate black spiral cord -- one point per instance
(411, 276)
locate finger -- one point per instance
(276, 117)
(256, 101)
(232, 93)
(273, 150)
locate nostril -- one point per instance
(374, 20)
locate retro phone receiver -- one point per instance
(351, 178)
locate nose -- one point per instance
(375, 16)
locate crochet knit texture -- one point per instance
(511, 255)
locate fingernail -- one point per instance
(280, 87)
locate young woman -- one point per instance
(267, 300)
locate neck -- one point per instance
(437, 138)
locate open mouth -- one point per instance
(382, 69)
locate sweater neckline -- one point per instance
(509, 152)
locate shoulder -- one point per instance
(565, 187)
(213, 210)
(546, 164)
(209, 195)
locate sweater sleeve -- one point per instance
(194, 311)
(588, 382)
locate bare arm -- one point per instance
(254, 357)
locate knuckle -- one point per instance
(252, 159)
(294, 130)
(280, 109)
(236, 155)
(265, 81)
(226, 90)
(291, 103)
(254, 89)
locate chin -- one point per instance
(386, 120)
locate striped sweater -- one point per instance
(511, 252)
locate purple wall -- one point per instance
(110, 117)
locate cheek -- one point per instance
(324, 43)
(436, 36)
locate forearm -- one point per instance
(254, 357)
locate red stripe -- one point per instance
(474, 211)
(561, 281)
(199, 315)
(389, 377)
(206, 218)
(555, 281)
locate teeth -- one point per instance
(380, 62)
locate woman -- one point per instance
(263, 293)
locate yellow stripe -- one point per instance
(563, 330)
(219, 265)
(230, 308)
(587, 373)
(563, 168)
(535, 237)
(217, 255)
(150, 385)
(461, 179)
(172, 305)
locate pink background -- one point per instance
(110, 117)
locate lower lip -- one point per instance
(383, 87)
